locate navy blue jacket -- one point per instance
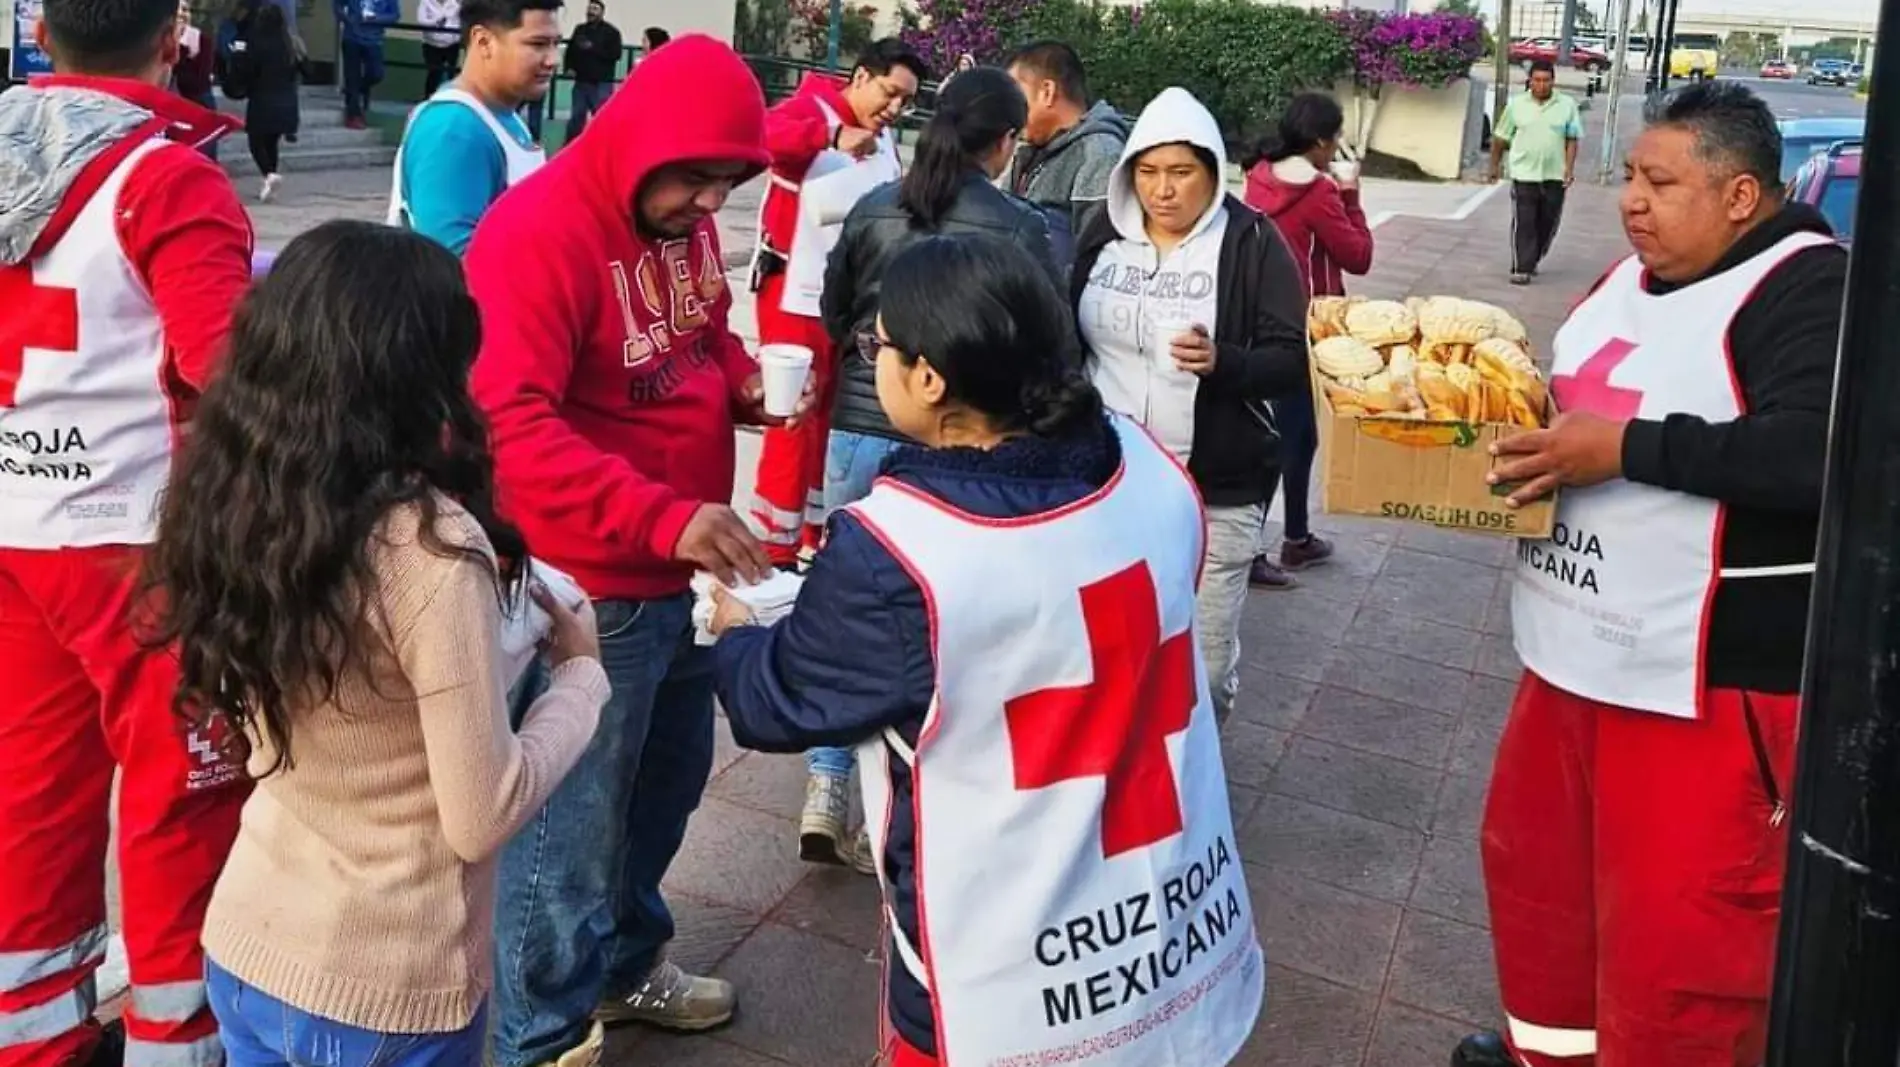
(854, 656)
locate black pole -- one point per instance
(1669, 43)
(1837, 976)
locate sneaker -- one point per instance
(863, 854)
(1520, 278)
(1484, 1049)
(1266, 574)
(587, 1053)
(1310, 552)
(821, 836)
(356, 122)
(110, 1051)
(671, 999)
(269, 188)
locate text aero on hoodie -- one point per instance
(1134, 292)
(608, 371)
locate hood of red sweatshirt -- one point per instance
(829, 88)
(695, 99)
(1272, 194)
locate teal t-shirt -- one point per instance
(452, 169)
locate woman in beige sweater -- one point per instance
(335, 578)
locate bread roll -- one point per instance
(1449, 320)
(1382, 322)
(1401, 361)
(1346, 357)
(1326, 317)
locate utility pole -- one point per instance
(1837, 973)
(1501, 78)
(834, 33)
(1606, 166)
(1669, 41)
(1566, 33)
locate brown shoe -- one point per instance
(1310, 552)
(1266, 574)
(587, 1053)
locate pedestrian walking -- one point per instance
(122, 252)
(360, 28)
(442, 46)
(593, 60)
(1296, 179)
(1193, 316)
(268, 66)
(1029, 563)
(1636, 826)
(343, 613)
(1540, 128)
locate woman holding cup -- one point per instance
(1296, 179)
(1193, 315)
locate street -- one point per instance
(1799, 100)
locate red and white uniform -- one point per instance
(788, 497)
(1631, 889)
(1080, 895)
(115, 310)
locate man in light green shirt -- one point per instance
(1541, 129)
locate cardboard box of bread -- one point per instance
(1409, 397)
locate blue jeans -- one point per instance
(362, 71)
(258, 1030)
(852, 461)
(580, 917)
(587, 98)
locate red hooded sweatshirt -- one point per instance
(1321, 222)
(796, 130)
(607, 370)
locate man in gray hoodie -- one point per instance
(1069, 148)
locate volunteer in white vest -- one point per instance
(1636, 828)
(465, 145)
(1006, 628)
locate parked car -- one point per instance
(1830, 181)
(1582, 57)
(1801, 138)
(1779, 69)
(1830, 72)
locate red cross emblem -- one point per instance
(36, 317)
(1590, 390)
(1115, 727)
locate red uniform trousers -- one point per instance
(788, 498)
(78, 696)
(1634, 863)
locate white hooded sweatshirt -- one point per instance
(1136, 298)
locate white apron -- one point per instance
(86, 434)
(1613, 605)
(1080, 897)
(832, 184)
(519, 161)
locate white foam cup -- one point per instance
(784, 369)
(1344, 170)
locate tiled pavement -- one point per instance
(1372, 699)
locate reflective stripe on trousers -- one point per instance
(22, 968)
(207, 1051)
(1551, 1040)
(169, 1002)
(68, 1010)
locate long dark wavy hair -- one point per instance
(344, 395)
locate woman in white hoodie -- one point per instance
(1192, 312)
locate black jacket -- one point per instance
(1766, 465)
(1260, 324)
(877, 229)
(593, 53)
(268, 70)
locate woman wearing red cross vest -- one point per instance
(1636, 825)
(1005, 626)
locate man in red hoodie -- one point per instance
(612, 383)
(122, 254)
(826, 125)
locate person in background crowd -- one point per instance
(654, 37)
(360, 26)
(1193, 314)
(122, 252)
(612, 382)
(197, 67)
(1542, 128)
(442, 46)
(1069, 146)
(1636, 828)
(829, 125)
(1023, 538)
(593, 59)
(334, 576)
(965, 63)
(965, 146)
(1294, 180)
(268, 67)
(465, 145)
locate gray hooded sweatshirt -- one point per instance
(1067, 179)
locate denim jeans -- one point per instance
(258, 1030)
(580, 917)
(1299, 443)
(852, 461)
(362, 71)
(586, 99)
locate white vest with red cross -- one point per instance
(1614, 605)
(1080, 896)
(86, 428)
(831, 185)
